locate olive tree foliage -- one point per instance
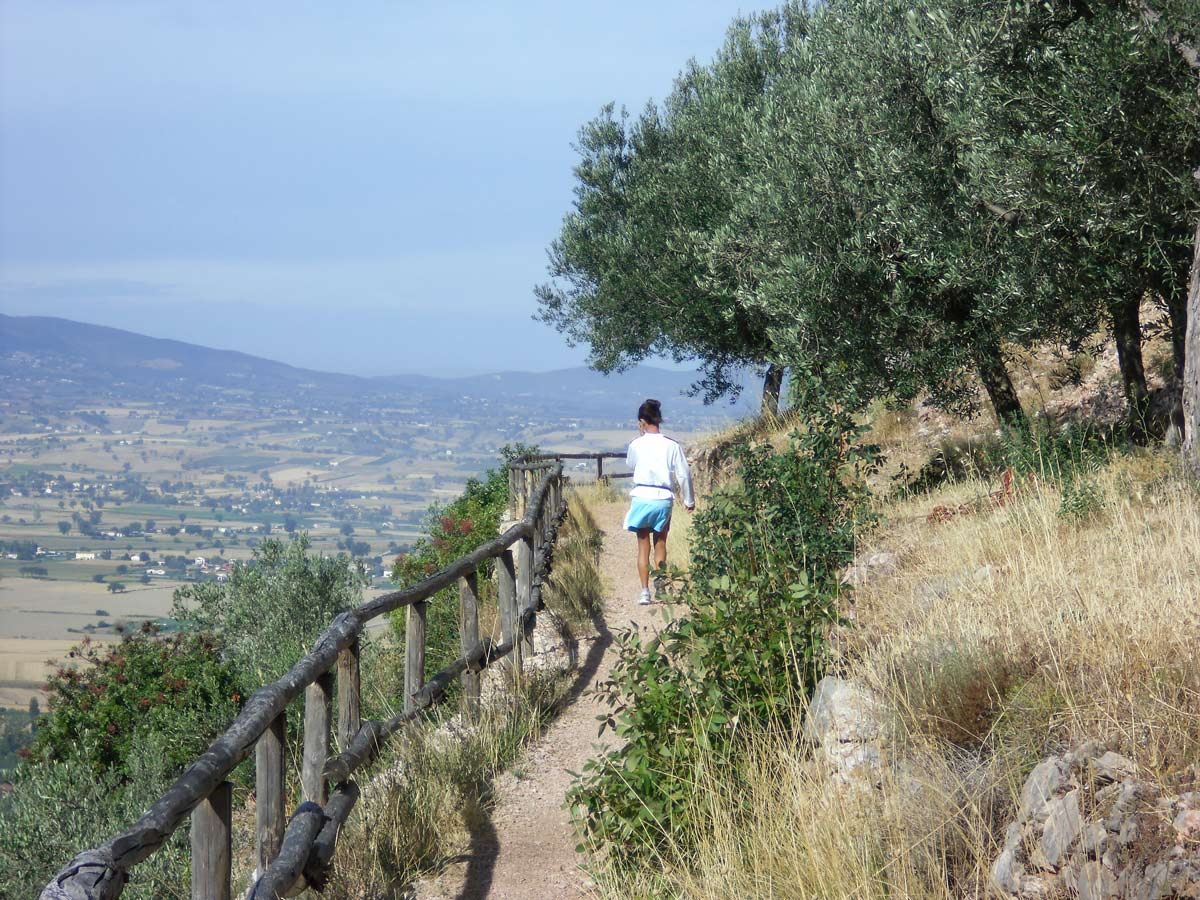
(629, 273)
(271, 610)
(1102, 119)
(944, 180)
(891, 196)
(1177, 24)
(871, 217)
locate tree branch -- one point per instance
(1008, 216)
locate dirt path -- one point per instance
(526, 851)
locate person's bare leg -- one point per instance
(660, 548)
(643, 561)
(660, 560)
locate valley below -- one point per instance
(130, 467)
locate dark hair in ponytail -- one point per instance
(650, 412)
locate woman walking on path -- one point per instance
(654, 458)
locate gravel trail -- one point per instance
(526, 849)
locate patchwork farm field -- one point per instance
(113, 497)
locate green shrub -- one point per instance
(57, 809)
(764, 559)
(173, 688)
(1054, 455)
(452, 531)
(270, 611)
(1082, 498)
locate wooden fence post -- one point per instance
(414, 652)
(318, 710)
(525, 558)
(512, 492)
(506, 588)
(599, 468)
(212, 859)
(349, 687)
(270, 791)
(468, 631)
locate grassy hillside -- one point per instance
(1019, 598)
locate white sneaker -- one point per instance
(644, 598)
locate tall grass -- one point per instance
(782, 830)
(436, 788)
(1030, 626)
(574, 588)
(1006, 633)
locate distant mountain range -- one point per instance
(60, 349)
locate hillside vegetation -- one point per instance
(1043, 599)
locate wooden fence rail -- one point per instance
(295, 854)
(541, 458)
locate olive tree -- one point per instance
(630, 274)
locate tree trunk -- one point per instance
(1127, 332)
(999, 387)
(772, 386)
(1176, 303)
(1190, 54)
(1191, 369)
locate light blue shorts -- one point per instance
(652, 514)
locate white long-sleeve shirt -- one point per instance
(654, 458)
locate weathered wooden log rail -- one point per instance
(540, 458)
(297, 853)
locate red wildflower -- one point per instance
(112, 728)
(466, 526)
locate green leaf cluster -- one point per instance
(452, 531)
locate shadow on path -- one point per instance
(485, 841)
(481, 858)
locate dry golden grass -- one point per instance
(1022, 626)
(1006, 633)
(787, 833)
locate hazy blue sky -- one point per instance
(359, 186)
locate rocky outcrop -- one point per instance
(1087, 827)
(846, 725)
(869, 566)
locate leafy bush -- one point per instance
(57, 809)
(761, 590)
(175, 688)
(452, 531)
(270, 611)
(1082, 498)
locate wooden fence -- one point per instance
(601, 475)
(297, 853)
